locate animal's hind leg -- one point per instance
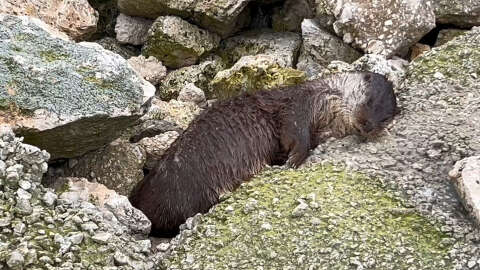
(295, 139)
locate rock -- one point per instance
(283, 46)
(445, 35)
(76, 18)
(466, 178)
(101, 237)
(132, 30)
(149, 68)
(252, 73)
(118, 166)
(224, 17)
(200, 75)
(417, 50)
(157, 145)
(319, 48)
(64, 97)
(191, 93)
(111, 44)
(180, 114)
(289, 17)
(385, 28)
(49, 198)
(16, 260)
(80, 190)
(394, 69)
(178, 43)
(461, 13)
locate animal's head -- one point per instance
(369, 99)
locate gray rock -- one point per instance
(149, 68)
(200, 75)
(101, 237)
(76, 18)
(157, 145)
(132, 30)
(224, 17)
(16, 260)
(466, 178)
(445, 35)
(76, 238)
(127, 215)
(191, 93)
(283, 46)
(178, 43)
(78, 96)
(394, 69)
(118, 166)
(319, 48)
(385, 28)
(180, 114)
(462, 13)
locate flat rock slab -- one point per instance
(61, 96)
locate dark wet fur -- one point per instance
(231, 141)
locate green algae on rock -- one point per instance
(314, 218)
(252, 73)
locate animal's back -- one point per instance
(222, 147)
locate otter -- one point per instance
(234, 139)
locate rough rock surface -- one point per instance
(177, 43)
(177, 112)
(149, 68)
(111, 44)
(319, 48)
(41, 231)
(74, 191)
(315, 218)
(462, 13)
(64, 97)
(157, 145)
(191, 93)
(74, 17)
(132, 30)
(118, 166)
(222, 17)
(466, 178)
(446, 35)
(438, 126)
(289, 17)
(382, 27)
(394, 69)
(283, 46)
(252, 73)
(200, 75)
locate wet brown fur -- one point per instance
(232, 140)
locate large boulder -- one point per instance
(74, 17)
(222, 17)
(177, 43)
(462, 13)
(385, 27)
(283, 46)
(252, 73)
(64, 97)
(319, 48)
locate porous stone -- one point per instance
(191, 93)
(200, 75)
(222, 17)
(178, 113)
(149, 68)
(252, 73)
(118, 166)
(64, 97)
(319, 48)
(385, 27)
(157, 145)
(445, 35)
(284, 46)
(462, 13)
(177, 43)
(132, 30)
(74, 17)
